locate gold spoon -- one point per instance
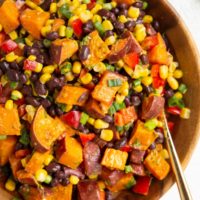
(175, 163)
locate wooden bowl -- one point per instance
(187, 132)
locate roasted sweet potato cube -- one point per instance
(98, 49)
(72, 95)
(141, 137)
(129, 2)
(9, 122)
(114, 159)
(9, 16)
(36, 162)
(61, 49)
(6, 149)
(26, 177)
(157, 165)
(15, 164)
(69, 152)
(57, 23)
(33, 21)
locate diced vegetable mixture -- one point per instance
(83, 84)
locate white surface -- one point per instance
(189, 11)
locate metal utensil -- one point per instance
(175, 163)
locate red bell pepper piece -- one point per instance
(150, 42)
(170, 125)
(157, 81)
(72, 118)
(174, 110)
(19, 102)
(91, 4)
(86, 137)
(126, 148)
(2, 37)
(142, 185)
(77, 26)
(21, 110)
(8, 46)
(131, 59)
(30, 65)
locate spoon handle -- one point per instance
(175, 163)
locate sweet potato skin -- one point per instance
(9, 122)
(33, 21)
(6, 149)
(15, 164)
(9, 16)
(26, 177)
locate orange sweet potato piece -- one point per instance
(141, 137)
(26, 177)
(129, 2)
(36, 162)
(9, 122)
(62, 49)
(45, 130)
(57, 23)
(9, 16)
(98, 49)
(33, 21)
(114, 159)
(38, 2)
(6, 149)
(157, 165)
(72, 95)
(15, 164)
(69, 130)
(70, 152)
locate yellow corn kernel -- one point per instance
(39, 9)
(73, 179)
(28, 42)
(100, 124)
(138, 88)
(53, 7)
(24, 162)
(173, 83)
(69, 76)
(48, 69)
(32, 58)
(97, 18)
(91, 120)
(163, 71)
(172, 68)
(45, 30)
(30, 113)
(48, 160)
(21, 46)
(45, 77)
(100, 67)
(15, 94)
(120, 63)
(178, 73)
(19, 59)
(22, 31)
(85, 16)
(124, 88)
(147, 19)
(101, 185)
(140, 32)
(76, 68)
(49, 22)
(110, 40)
(68, 108)
(30, 4)
(9, 104)
(164, 153)
(178, 95)
(10, 185)
(30, 37)
(159, 124)
(28, 73)
(122, 18)
(13, 35)
(96, 8)
(71, 19)
(107, 25)
(133, 12)
(41, 175)
(147, 80)
(114, 4)
(38, 67)
(62, 30)
(185, 113)
(1, 27)
(87, 78)
(93, 176)
(119, 98)
(11, 57)
(106, 134)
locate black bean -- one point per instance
(65, 182)
(40, 58)
(109, 195)
(46, 5)
(40, 88)
(168, 93)
(53, 16)
(112, 17)
(26, 90)
(120, 143)
(53, 83)
(119, 27)
(4, 66)
(123, 12)
(13, 75)
(110, 144)
(34, 77)
(81, 127)
(38, 44)
(3, 99)
(32, 101)
(108, 119)
(142, 14)
(52, 111)
(148, 89)
(84, 52)
(108, 34)
(115, 11)
(156, 25)
(126, 134)
(160, 138)
(1, 72)
(135, 100)
(139, 21)
(18, 146)
(58, 111)
(150, 30)
(52, 36)
(60, 174)
(23, 78)
(152, 146)
(6, 90)
(130, 25)
(123, 6)
(144, 58)
(88, 27)
(104, 13)
(53, 167)
(138, 4)
(54, 182)
(61, 81)
(14, 65)
(127, 102)
(46, 103)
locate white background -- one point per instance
(190, 13)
